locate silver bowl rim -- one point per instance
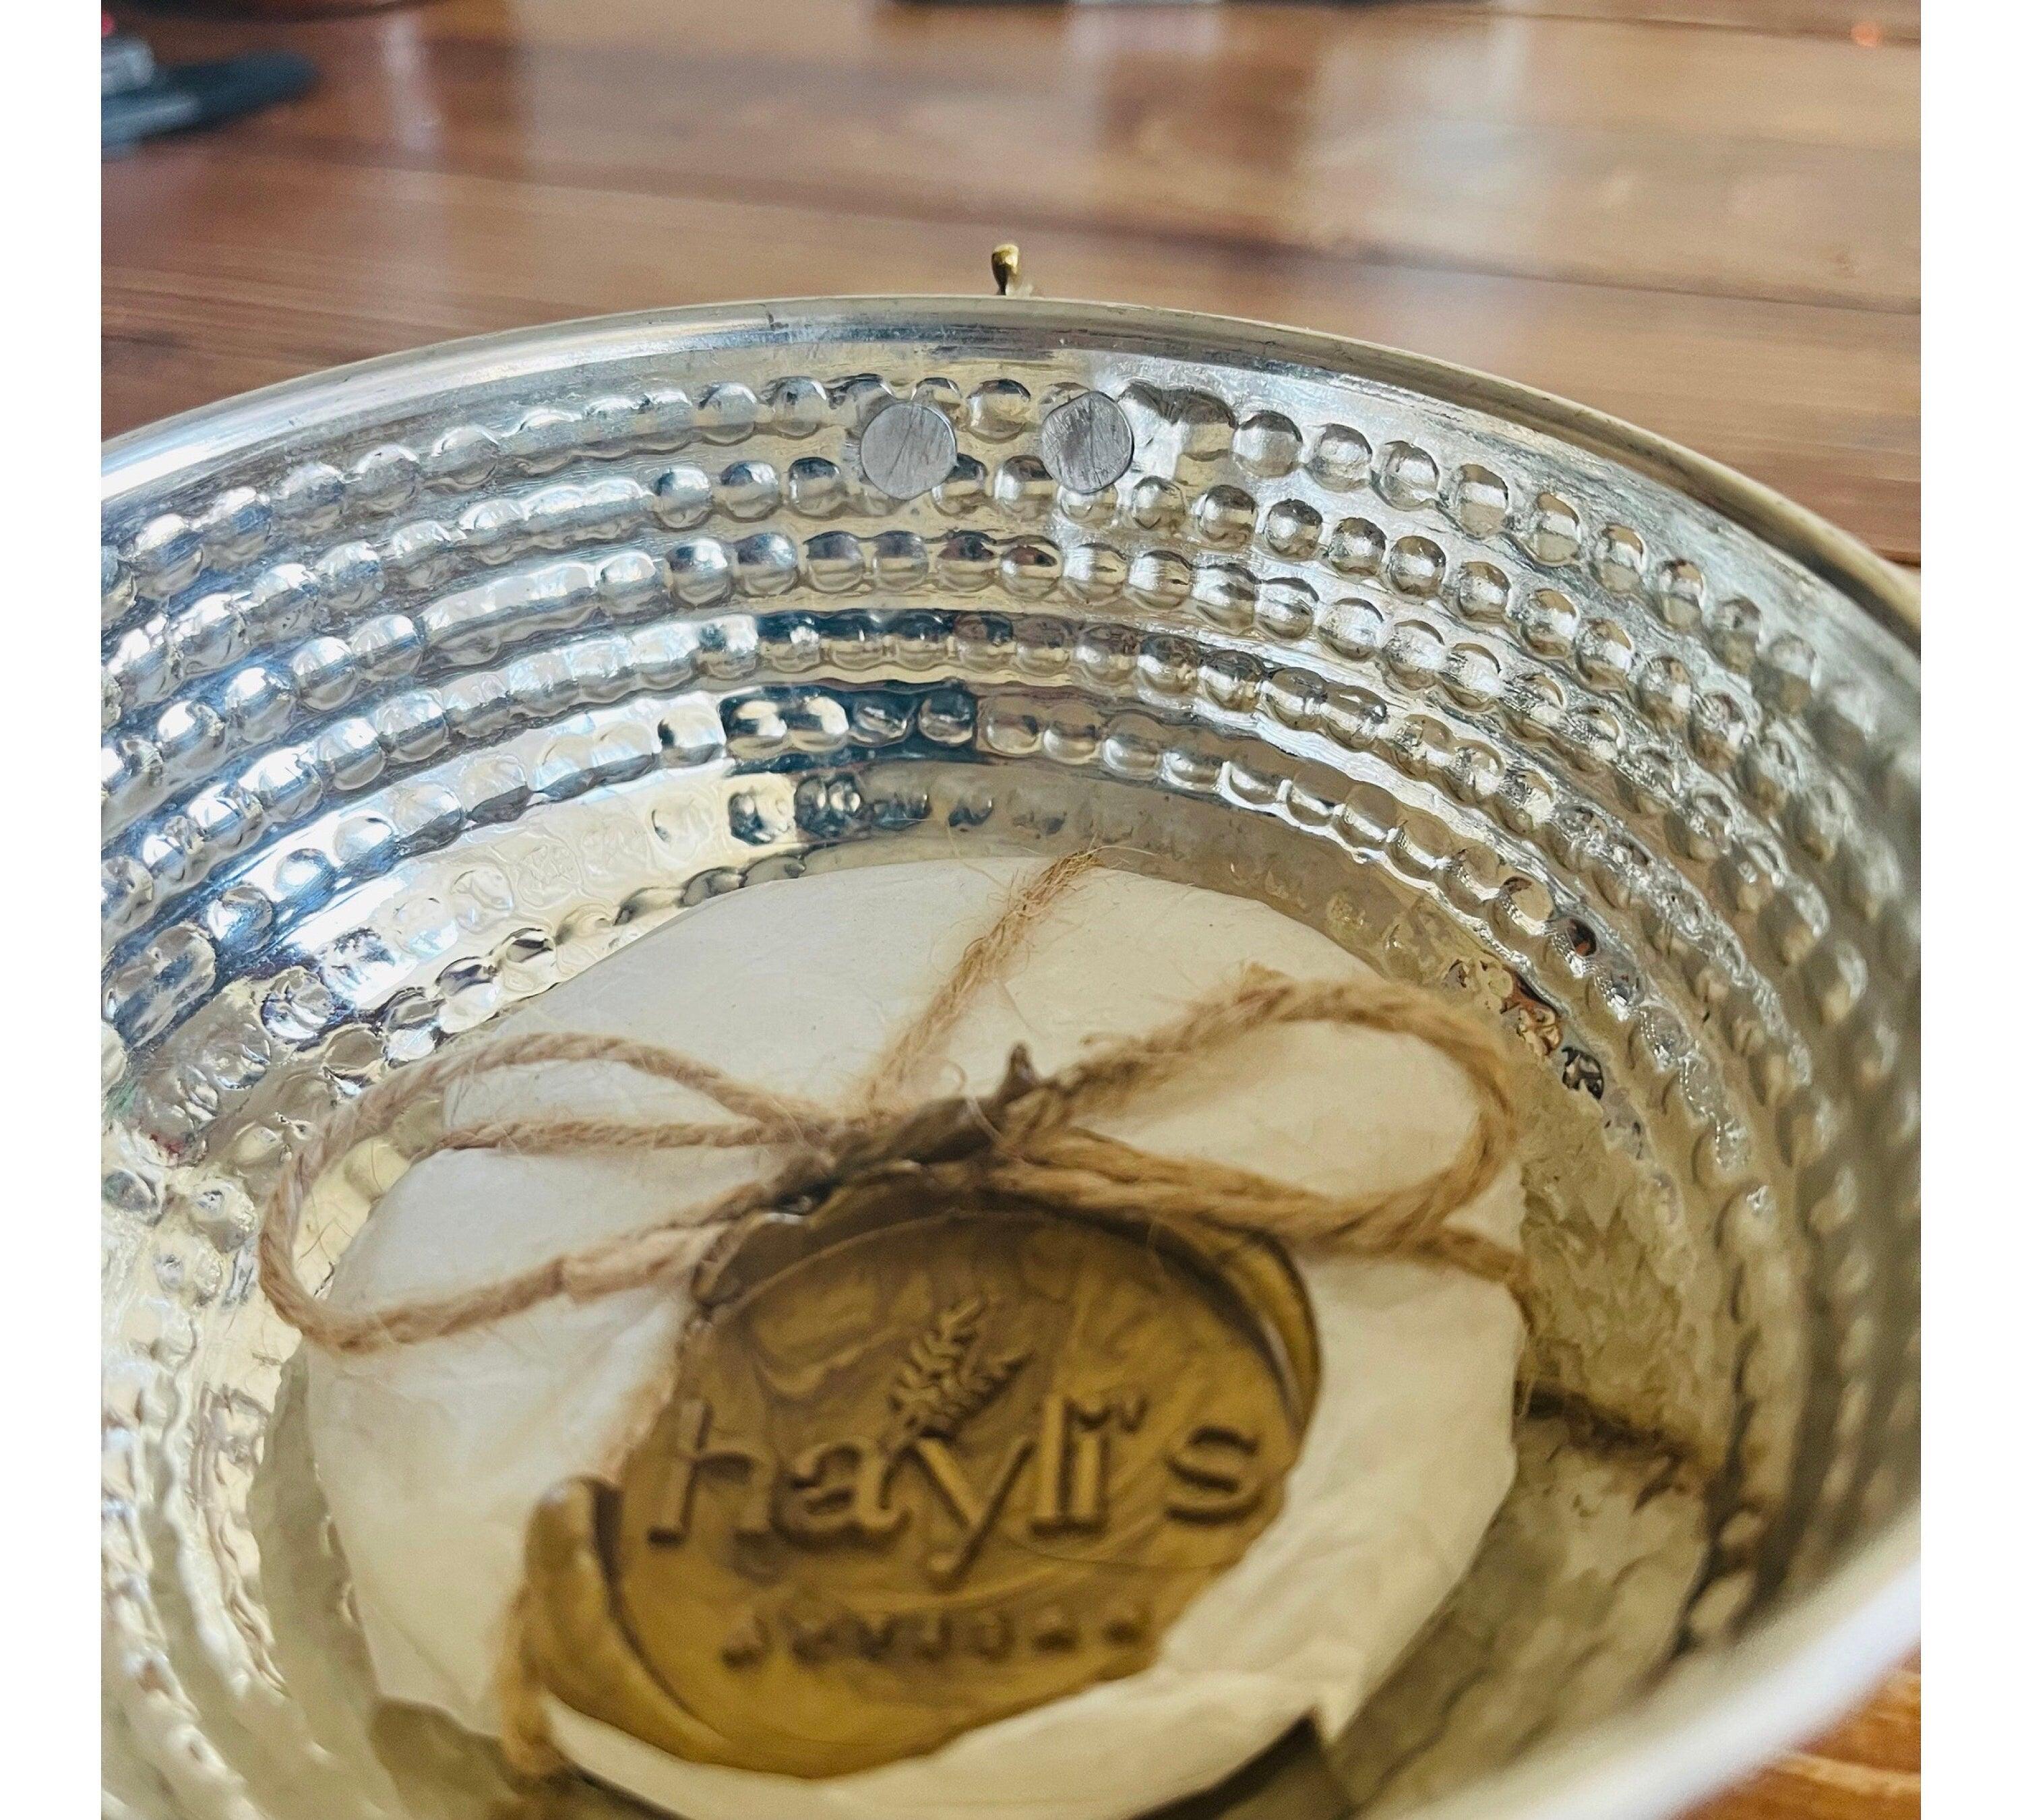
(154, 451)
(1717, 1717)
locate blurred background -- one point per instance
(1700, 215)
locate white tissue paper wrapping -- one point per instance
(432, 1456)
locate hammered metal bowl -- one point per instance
(429, 682)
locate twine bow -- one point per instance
(1025, 1140)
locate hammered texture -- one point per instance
(426, 695)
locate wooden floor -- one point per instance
(1699, 214)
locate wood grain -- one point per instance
(1878, 21)
(1699, 214)
(1869, 1768)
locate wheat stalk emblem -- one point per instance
(946, 1378)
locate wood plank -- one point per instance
(1819, 403)
(1708, 229)
(1703, 161)
(1891, 21)
(1868, 1768)
(1692, 160)
(1869, 22)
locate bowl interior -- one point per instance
(430, 684)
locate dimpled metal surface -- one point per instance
(429, 683)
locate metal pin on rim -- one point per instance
(1086, 444)
(1007, 267)
(906, 449)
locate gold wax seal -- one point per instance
(923, 1467)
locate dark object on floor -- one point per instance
(195, 94)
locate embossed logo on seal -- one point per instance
(924, 1467)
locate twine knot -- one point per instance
(1027, 1139)
(937, 1130)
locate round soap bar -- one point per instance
(929, 1464)
(868, 1617)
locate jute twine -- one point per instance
(1025, 1140)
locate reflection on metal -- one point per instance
(1086, 443)
(906, 450)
